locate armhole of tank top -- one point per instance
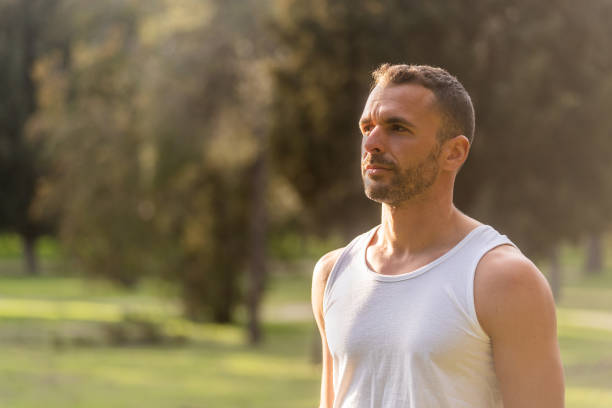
(501, 240)
(331, 278)
(332, 275)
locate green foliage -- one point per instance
(290, 245)
(545, 164)
(539, 77)
(152, 119)
(10, 246)
(148, 130)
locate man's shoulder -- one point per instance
(506, 265)
(508, 285)
(325, 265)
(321, 273)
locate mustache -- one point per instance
(377, 159)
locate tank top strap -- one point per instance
(350, 255)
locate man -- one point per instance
(431, 308)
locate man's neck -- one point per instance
(422, 224)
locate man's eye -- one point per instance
(398, 128)
(366, 129)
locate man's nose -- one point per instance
(373, 141)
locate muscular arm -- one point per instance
(516, 309)
(319, 279)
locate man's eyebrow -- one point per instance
(398, 119)
(364, 121)
(389, 120)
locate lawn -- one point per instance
(57, 342)
(58, 337)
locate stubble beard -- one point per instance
(404, 184)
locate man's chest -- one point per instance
(398, 319)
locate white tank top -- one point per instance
(410, 340)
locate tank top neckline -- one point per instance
(419, 271)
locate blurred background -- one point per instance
(170, 171)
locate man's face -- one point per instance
(400, 151)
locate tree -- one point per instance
(155, 132)
(538, 78)
(24, 34)
(594, 254)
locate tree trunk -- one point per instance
(555, 273)
(29, 35)
(29, 255)
(222, 315)
(257, 262)
(594, 254)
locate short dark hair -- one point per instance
(454, 103)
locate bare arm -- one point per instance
(319, 279)
(516, 309)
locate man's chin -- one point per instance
(380, 195)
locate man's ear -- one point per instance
(455, 152)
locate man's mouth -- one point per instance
(374, 169)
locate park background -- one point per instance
(171, 170)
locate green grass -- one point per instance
(585, 333)
(11, 247)
(214, 374)
(52, 333)
(53, 328)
